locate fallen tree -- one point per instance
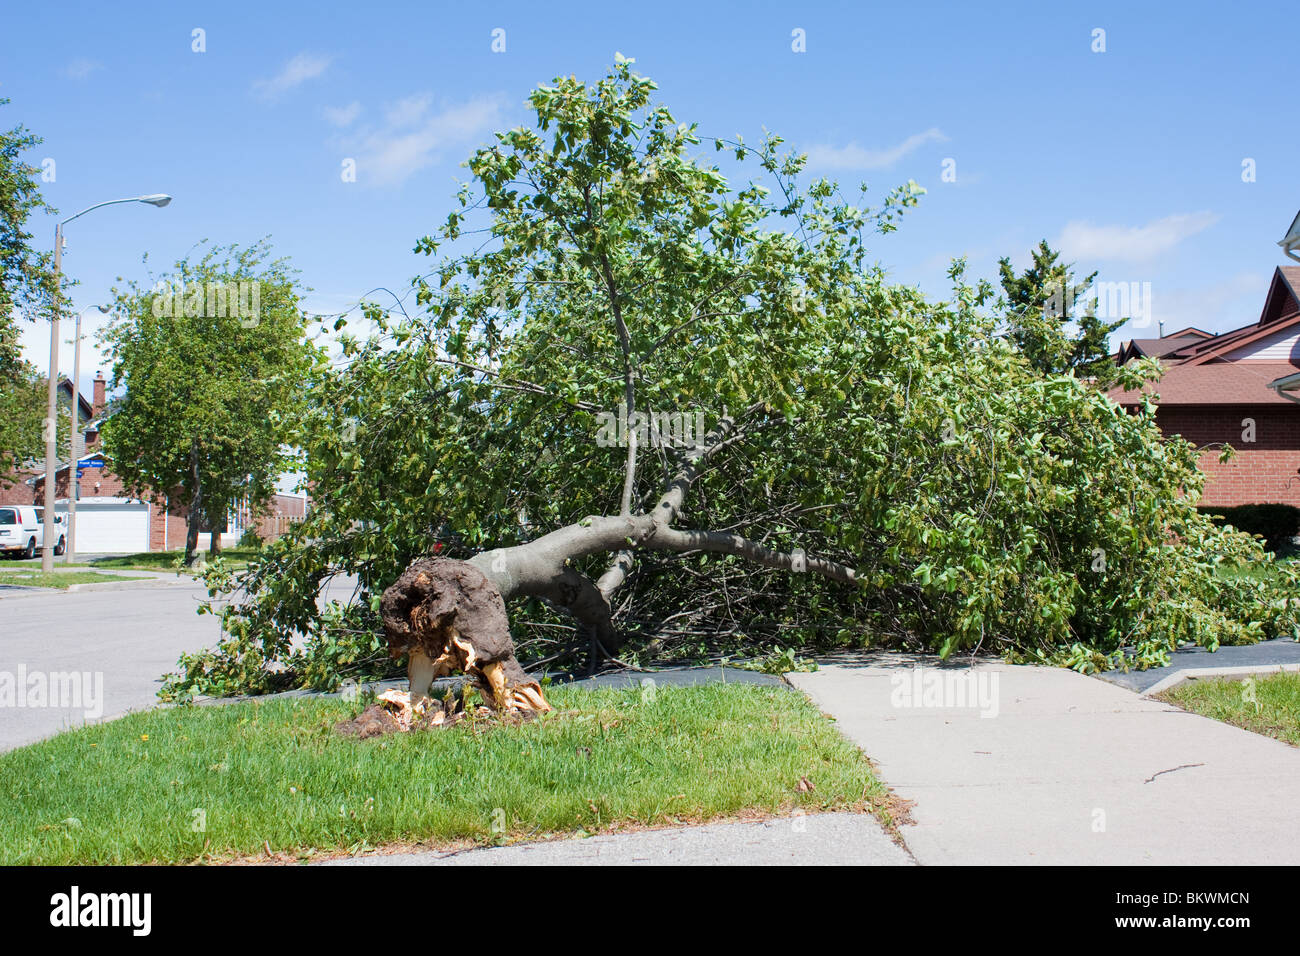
(664, 417)
(448, 615)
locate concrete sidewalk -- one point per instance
(1068, 770)
(817, 839)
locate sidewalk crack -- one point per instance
(1182, 766)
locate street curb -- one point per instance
(1197, 673)
(122, 585)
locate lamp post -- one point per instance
(74, 452)
(52, 395)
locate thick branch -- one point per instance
(625, 344)
(542, 568)
(669, 506)
(679, 541)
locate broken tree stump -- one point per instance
(447, 616)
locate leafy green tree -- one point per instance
(26, 288)
(213, 360)
(22, 417)
(1041, 304)
(871, 467)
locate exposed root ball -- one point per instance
(448, 616)
(374, 721)
(394, 713)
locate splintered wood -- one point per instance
(446, 616)
(394, 713)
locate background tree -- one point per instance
(26, 290)
(1041, 304)
(213, 360)
(874, 467)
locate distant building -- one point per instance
(14, 487)
(1239, 388)
(110, 520)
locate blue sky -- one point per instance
(1131, 158)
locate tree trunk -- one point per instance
(191, 534)
(215, 530)
(450, 615)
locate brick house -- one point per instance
(110, 520)
(1239, 388)
(14, 487)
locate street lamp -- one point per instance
(52, 396)
(74, 455)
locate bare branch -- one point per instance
(680, 542)
(516, 385)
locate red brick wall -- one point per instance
(1265, 470)
(14, 489)
(166, 529)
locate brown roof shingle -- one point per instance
(1215, 383)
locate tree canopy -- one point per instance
(873, 466)
(26, 290)
(213, 359)
(1046, 324)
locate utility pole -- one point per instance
(52, 396)
(52, 409)
(75, 449)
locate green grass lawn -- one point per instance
(274, 775)
(146, 560)
(1261, 571)
(35, 578)
(1274, 712)
(169, 560)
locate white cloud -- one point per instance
(414, 135)
(1084, 241)
(81, 68)
(854, 156)
(1217, 307)
(408, 111)
(303, 67)
(343, 115)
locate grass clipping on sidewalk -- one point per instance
(274, 778)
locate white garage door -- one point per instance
(117, 528)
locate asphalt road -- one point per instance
(125, 636)
(130, 636)
(1280, 652)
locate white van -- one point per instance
(22, 531)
